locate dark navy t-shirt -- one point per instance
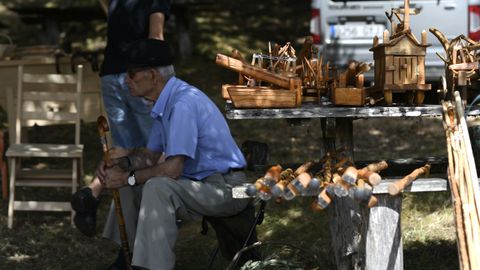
(128, 21)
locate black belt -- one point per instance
(235, 170)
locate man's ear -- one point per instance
(157, 78)
(154, 75)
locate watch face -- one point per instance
(131, 180)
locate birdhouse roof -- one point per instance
(402, 35)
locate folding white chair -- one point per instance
(53, 99)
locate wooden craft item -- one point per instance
(226, 95)
(300, 183)
(377, 167)
(306, 49)
(364, 195)
(236, 54)
(348, 96)
(350, 175)
(400, 60)
(251, 190)
(259, 73)
(304, 168)
(279, 189)
(398, 186)
(461, 61)
(323, 200)
(350, 90)
(272, 175)
(262, 97)
(263, 190)
(341, 187)
(261, 186)
(372, 178)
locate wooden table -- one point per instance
(361, 238)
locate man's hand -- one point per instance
(100, 172)
(118, 156)
(117, 152)
(111, 177)
(115, 177)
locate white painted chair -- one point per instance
(44, 99)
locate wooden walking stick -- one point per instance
(103, 128)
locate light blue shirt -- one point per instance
(187, 122)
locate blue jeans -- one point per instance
(128, 116)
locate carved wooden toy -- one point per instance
(313, 72)
(350, 90)
(461, 61)
(286, 91)
(400, 59)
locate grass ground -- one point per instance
(46, 241)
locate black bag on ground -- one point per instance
(232, 233)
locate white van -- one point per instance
(344, 30)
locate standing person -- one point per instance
(202, 161)
(130, 122)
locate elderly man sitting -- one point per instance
(201, 161)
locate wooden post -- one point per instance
(346, 220)
(384, 238)
(362, 238)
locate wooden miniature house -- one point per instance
(400, 60)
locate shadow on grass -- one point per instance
(434, 255)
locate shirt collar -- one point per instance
(161, 103)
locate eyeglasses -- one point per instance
(132, 72)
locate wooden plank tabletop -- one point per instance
(322, 111)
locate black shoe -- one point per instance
(83, 201)
(119, 263)
(86, 223)
(85, 205)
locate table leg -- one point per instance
(346, 218)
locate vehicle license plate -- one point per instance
(356, 31)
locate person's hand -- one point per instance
(116, 152)
(115, 177)
(100, 172)
(117, 155)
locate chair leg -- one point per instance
(4, 172)
(3, 166)
(75, 164)
(12, 193)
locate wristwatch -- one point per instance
(132, 181)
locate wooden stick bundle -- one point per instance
(463, 181)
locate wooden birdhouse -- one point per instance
(400, 59)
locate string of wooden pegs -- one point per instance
(338, 177)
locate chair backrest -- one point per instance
(50, 98)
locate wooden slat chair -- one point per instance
(48, 103)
